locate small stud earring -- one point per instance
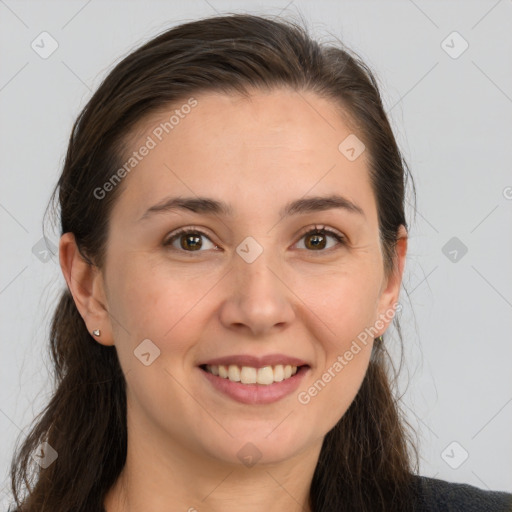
(96, 332)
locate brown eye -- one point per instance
(317, 239)
(188, 240)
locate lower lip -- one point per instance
(256, 393)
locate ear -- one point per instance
(85, 282)
(391, 288)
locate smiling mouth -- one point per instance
(265, 375)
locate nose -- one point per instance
(259, 301)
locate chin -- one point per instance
(249, 450)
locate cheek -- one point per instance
(152, 291)
(345, 301)
(347, 305)
(329, 395)
(151, 303)
(154, 305)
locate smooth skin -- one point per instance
(297, 299)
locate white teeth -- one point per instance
(278, 373)
(249, 375)
(265, 375)
(234, 373)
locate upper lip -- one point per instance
(255, 361)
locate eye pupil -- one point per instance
(315, 242)
(193, 238)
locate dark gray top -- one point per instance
(438, 495)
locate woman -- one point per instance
(233, 242)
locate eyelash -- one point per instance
(315, 230)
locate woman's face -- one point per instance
(251, 286)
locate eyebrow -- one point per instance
(210, 206)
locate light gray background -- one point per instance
(452, 118)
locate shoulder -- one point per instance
(439, 495)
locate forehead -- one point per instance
(244, 150)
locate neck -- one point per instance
(161, 475)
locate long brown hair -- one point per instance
(365, 462)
